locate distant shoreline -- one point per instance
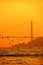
(21, 55)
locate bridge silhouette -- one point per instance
(31, 37)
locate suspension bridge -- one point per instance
(23, 37)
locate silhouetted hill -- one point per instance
(37, 43)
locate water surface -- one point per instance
(21, 60)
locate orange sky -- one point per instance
(15, 17)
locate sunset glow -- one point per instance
(16, 16)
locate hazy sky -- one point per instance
(16, 15)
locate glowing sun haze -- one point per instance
(16, 15)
